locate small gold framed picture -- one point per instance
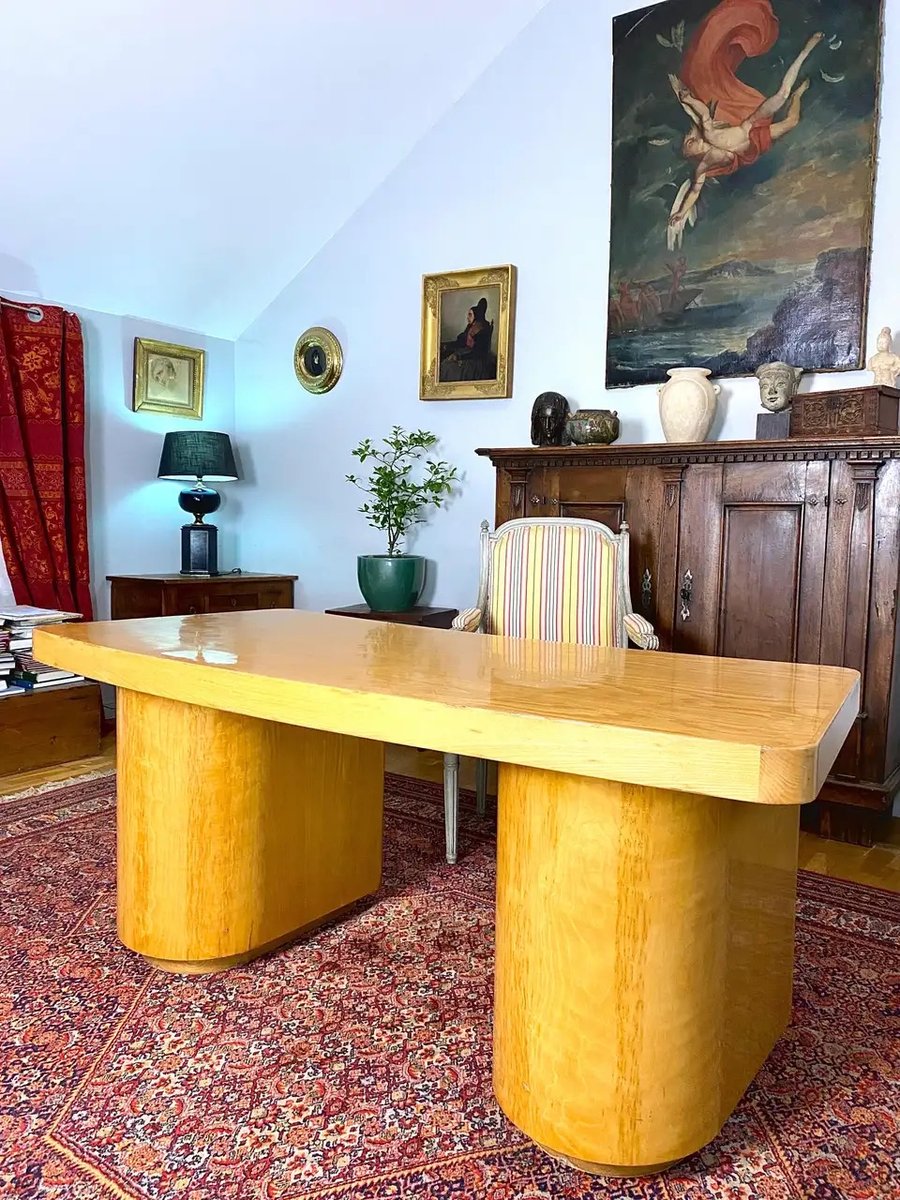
(168, 378)
(467, 334)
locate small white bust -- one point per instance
(885, 365)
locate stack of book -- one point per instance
(7, 665)
(19, 669)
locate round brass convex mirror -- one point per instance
(318, 360)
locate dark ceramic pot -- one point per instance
(390, 583)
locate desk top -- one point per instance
(758, 731)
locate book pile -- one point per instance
(19, 669)
(7, 665)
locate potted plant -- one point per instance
(392, 582)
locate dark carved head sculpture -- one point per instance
(548, 419)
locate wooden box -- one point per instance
(851, 412)
(48, 726)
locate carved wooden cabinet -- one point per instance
(786, 551)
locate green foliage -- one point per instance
(398, 500)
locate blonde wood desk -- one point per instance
(647, 841)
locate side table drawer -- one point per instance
(139, 600)
(277, 595)
(183, 601)
(233, 601)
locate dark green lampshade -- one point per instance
(197, 454)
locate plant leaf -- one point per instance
(399, 501)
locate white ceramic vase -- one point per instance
(687, 404)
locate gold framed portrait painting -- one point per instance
(168, 378)
(467, 334)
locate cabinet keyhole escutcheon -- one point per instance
(687, 591)
(647, 590)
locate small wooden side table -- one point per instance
(181, 595)
(436, 618)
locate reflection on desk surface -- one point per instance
(772, 704)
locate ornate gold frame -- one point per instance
(143, 348)
(430, 388)
(334, 359)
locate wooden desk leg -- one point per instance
(644, 963)
(237, 834)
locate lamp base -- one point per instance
(199, 550)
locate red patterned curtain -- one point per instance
(43, 503)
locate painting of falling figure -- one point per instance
(742, 185)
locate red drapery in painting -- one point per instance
(43, 503)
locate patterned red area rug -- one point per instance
(358, 1063)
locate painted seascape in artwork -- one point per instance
(742, 185)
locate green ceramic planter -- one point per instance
(390, 583)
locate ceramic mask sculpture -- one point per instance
(777, 385)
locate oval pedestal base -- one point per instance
(236, 834)
(645, 945)
(592, 1168)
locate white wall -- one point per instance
(133, 517)
(184, 160)
(518, 171)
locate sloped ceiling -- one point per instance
(182, 161)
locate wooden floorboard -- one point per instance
(878, 866)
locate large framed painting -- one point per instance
(467, 334)
(742, 185)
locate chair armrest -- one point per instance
(640, 631)
(469, 620)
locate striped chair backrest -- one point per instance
(556, 581)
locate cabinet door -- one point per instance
(751, 560)
(858, 624)
(591, 495)
(646, 497)
(521, 492)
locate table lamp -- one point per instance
(199, 455)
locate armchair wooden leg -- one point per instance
(481, 770)
(451, 804)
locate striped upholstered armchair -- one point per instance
(550, 579)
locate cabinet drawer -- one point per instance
(233, 601)
(183, 601)
(138, 600)
(278, 595)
